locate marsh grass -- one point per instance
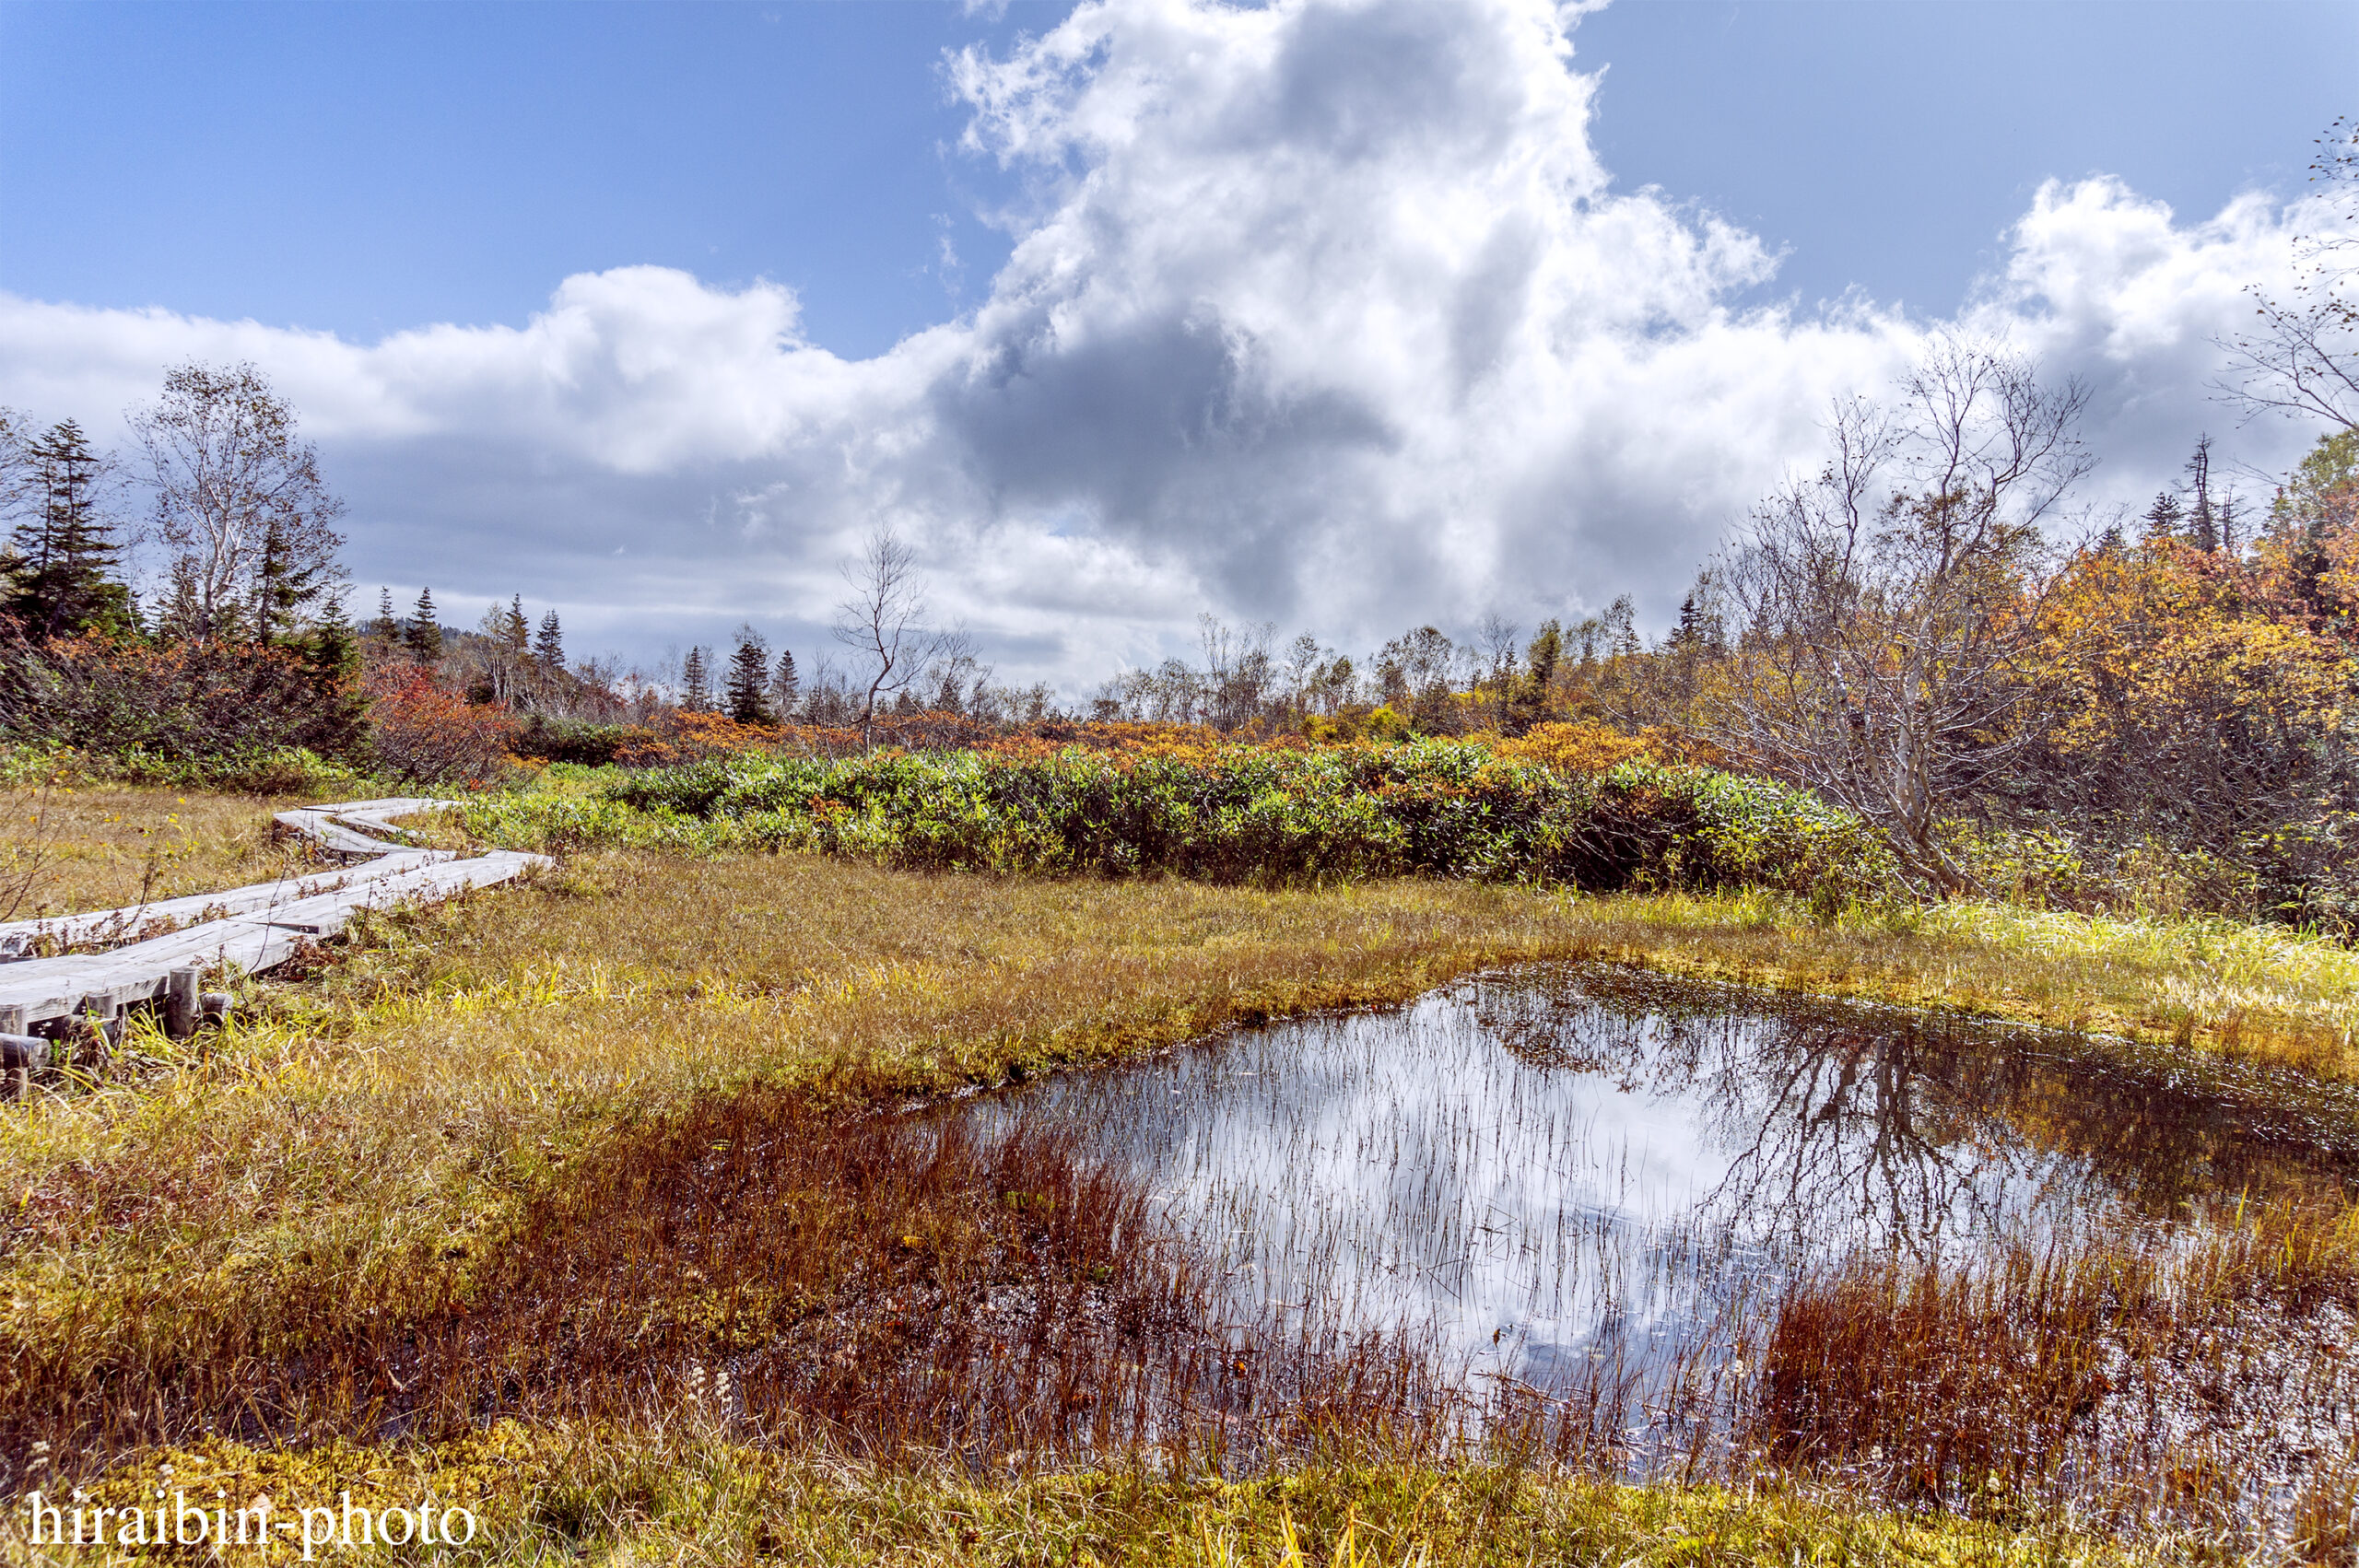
(682, 1492)
(2196, 1379)
(478, 1148)
(378, 1131)
(66, 848)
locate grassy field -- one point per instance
(683, 1495)
(72, 846)
(424, 1127)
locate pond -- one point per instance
(1540, 1174)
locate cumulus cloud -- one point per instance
(1319, 313)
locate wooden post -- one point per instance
(102, 1018)
(182, 1011)
(21, 1055)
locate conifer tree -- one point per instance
(387, 624)
(331, 652)
(747, 692)
(66, 545)
(2165, 519)
(1540, 656)
(331, 646)
(548, 646)
(515, 631)
(423, 635)
(786, 684)
(285, 581)
(695, 686)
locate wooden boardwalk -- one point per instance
(165, 946)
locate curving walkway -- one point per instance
(165, 945)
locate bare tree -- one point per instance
(17, 484)
(1886, 607)
(2303, 357)
(1238, 673)
(884, 621)
(238, 499)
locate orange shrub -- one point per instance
(418, 731)
(1590, 747)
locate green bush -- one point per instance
(1243, 814)
(575, 741)
(262, 770)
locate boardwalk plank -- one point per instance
(252, 927)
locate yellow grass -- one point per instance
(687, 1496)
(455, 1061)
(363, 1137)
(64, 848)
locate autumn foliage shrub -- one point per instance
(419, 732)
(220, 709)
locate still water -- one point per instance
(1547, 1172)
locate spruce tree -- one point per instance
(786, 684)
(387, 625)
(548, 646)
(65, 547)
(1540, 657)
(695, 689)
(515, 631)
(285, 581)
(331, 652)
(423, 635)
(749, 677)
(2165, 519)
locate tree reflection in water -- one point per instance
(1566, 1166)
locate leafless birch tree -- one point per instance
(1883, 607)
(237, 498)
(884, 621)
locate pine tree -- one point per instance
(2165, 519)
(387, 624)
(548, 646)
(284, 583)
(331, 652)
(696, 690)
(515, 631)
(331, 646)
(786, 684)
(1540, 657)
(423, 635)
(60, 587)
(1689, 634)
(750, 678)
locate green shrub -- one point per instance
(262, 770)
(1242, 814)
(575, 741)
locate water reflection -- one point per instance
(1564, 1167)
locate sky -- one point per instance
(1343, 317)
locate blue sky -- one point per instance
(369, 171)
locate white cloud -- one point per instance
(1322, 313)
